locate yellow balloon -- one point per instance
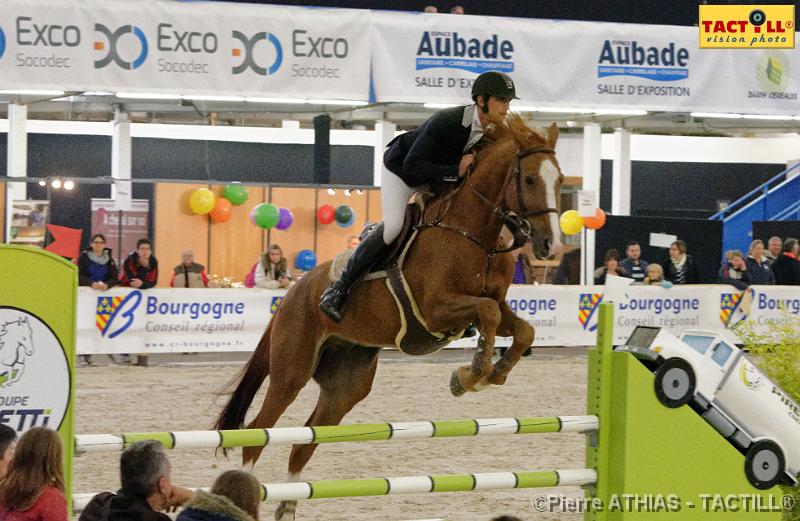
(571, 222)
(202, 201)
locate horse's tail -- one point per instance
(247, 382)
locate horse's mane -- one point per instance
(509, 132)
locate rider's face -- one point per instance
(498, 106)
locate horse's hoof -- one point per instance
(497, 378)
(285, 511)
(456, 389)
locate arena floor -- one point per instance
(177, 393)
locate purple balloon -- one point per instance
(285, 219)
(252, 217)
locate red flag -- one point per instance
(66, 241)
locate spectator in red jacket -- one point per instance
(33, 489)
(140, 269)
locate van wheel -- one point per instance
(674, 383)
(764, 464)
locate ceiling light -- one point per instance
(331, 191)
(235, 99)
(147, 95)
(97, 93)
(620, 112)
(347, 192)
(56, 183)
(42, 183)
(69, 185)
(295, 101)
(774, 117)
(360, 191)
(440, 105)
(722, 115)
(336, 102)
(34, 92)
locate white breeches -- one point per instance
(395, 194)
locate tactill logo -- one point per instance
(34, 375)
(113, 47)
(249, 61)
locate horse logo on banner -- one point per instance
(16, 344)
(588, 304)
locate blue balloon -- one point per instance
(305, 260)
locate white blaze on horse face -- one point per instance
(548, 171)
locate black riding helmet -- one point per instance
(494, 83)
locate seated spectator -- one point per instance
(569, 269)
(633, 265)
(140, 269)
(681, 268)
(189, 274)
(457, 9)
(655, 276)
(786, 267)
(774, 247)
(8, 442)
(610, 265)
(758, 266)
(146, 488)
(235, 496)
(273, 270)
(523, 270)
(96, 266)
(353, 241)
(734, 272)
(33, 489)
(430, 9)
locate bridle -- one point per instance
(516, 222)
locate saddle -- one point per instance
(414, 337)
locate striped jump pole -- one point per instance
(338, 488)
(338, 433)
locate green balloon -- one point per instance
(266, 215)
(344, 214)
(235, 193)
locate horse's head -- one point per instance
(16, 334)
(532, 185)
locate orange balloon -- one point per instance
(222, 211)
(596, 222)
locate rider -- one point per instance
(434, 153)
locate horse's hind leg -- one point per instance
(523, 333)
(291, 366)
(345, 375)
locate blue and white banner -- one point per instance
(187, 48)
(125, 320)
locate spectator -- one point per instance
(140, 269)
(655, 276)
(523, 271)
(734, 272)
(273, 270)
(569, 269)
(610, 265)
(189, 273)
(8, 442)
(33, 489)
(774, 247)
(353, 241)
(681, 268)
(758, 266)
(235, 496)
(96, 266)
(633, 265)
(786, 267)
(431, 9)
(146, 488)
(456, 9)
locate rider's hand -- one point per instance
(466, 162)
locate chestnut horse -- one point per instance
(457, 275)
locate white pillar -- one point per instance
(292, 124)
(591, 181)
(17, 160)
(384, 132)
(621, 173)
(121, 191)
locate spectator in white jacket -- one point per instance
(272, 271)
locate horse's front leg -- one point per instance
(523, 333)
(485, 313)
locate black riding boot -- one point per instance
(363, 258)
